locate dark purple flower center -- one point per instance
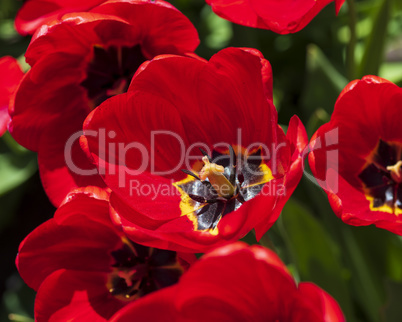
(380, 177)
(139, 270)
(110, 71)
(207, 206)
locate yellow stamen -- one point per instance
(396, 171)
(219, 182)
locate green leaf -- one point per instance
(318, 118)
(393, 309)
(374, 50)
(220, 29)
(14, 171)
(324, 82)
(17, 164)
(391, 71)
(315, 254)
(361, 248)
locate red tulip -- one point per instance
(237, 283)
(85, 268)
(77, 62)
(357, 158)
(215, 121)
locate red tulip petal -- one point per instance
(164, 29)
(283, 17)
(297, 140)
(81, 226)
(366, 112)
(64, 168)
(75, 295)
(36, 12)
(144, 308)
(10, 76)
(221, 282)
(329, 309)
(66, 47)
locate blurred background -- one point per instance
(361, 267)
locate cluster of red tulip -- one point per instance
(151, 154)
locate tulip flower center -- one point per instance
(221, 185)
(110, 71)
(382, 178)
(139, 270)
(215, 174)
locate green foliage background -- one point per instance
(361, 267)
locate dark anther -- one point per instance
(139, 270)
(246, 176)
(204, 153)
(233, 162)
(240, 178)
(240, 198)
(198, 198)
(190, 173)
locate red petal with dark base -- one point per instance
(364, 126)
(178, 105)
(78, 61)
(85, 268)
(219, 287)
(144, 310)
(80, 227)
(75, 295)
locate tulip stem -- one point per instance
(350, 54)
(373, 300)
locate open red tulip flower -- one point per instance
(10, 76)
(237, 283)
(283, 16)
(34, 13)
(83, 268)
(193, 153)
(77, 62)
(357, 156)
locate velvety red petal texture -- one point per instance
(10, 75)
(297, 137)
(79, 237)
(75, 296)
(219, 287)
(34, 13)
(159, 306)
(283, 17)
(75, 60)
(366, 113)
(328, 308)
(84, 268)
(174, 106)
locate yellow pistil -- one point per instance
(219, 182)
(396, 171)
